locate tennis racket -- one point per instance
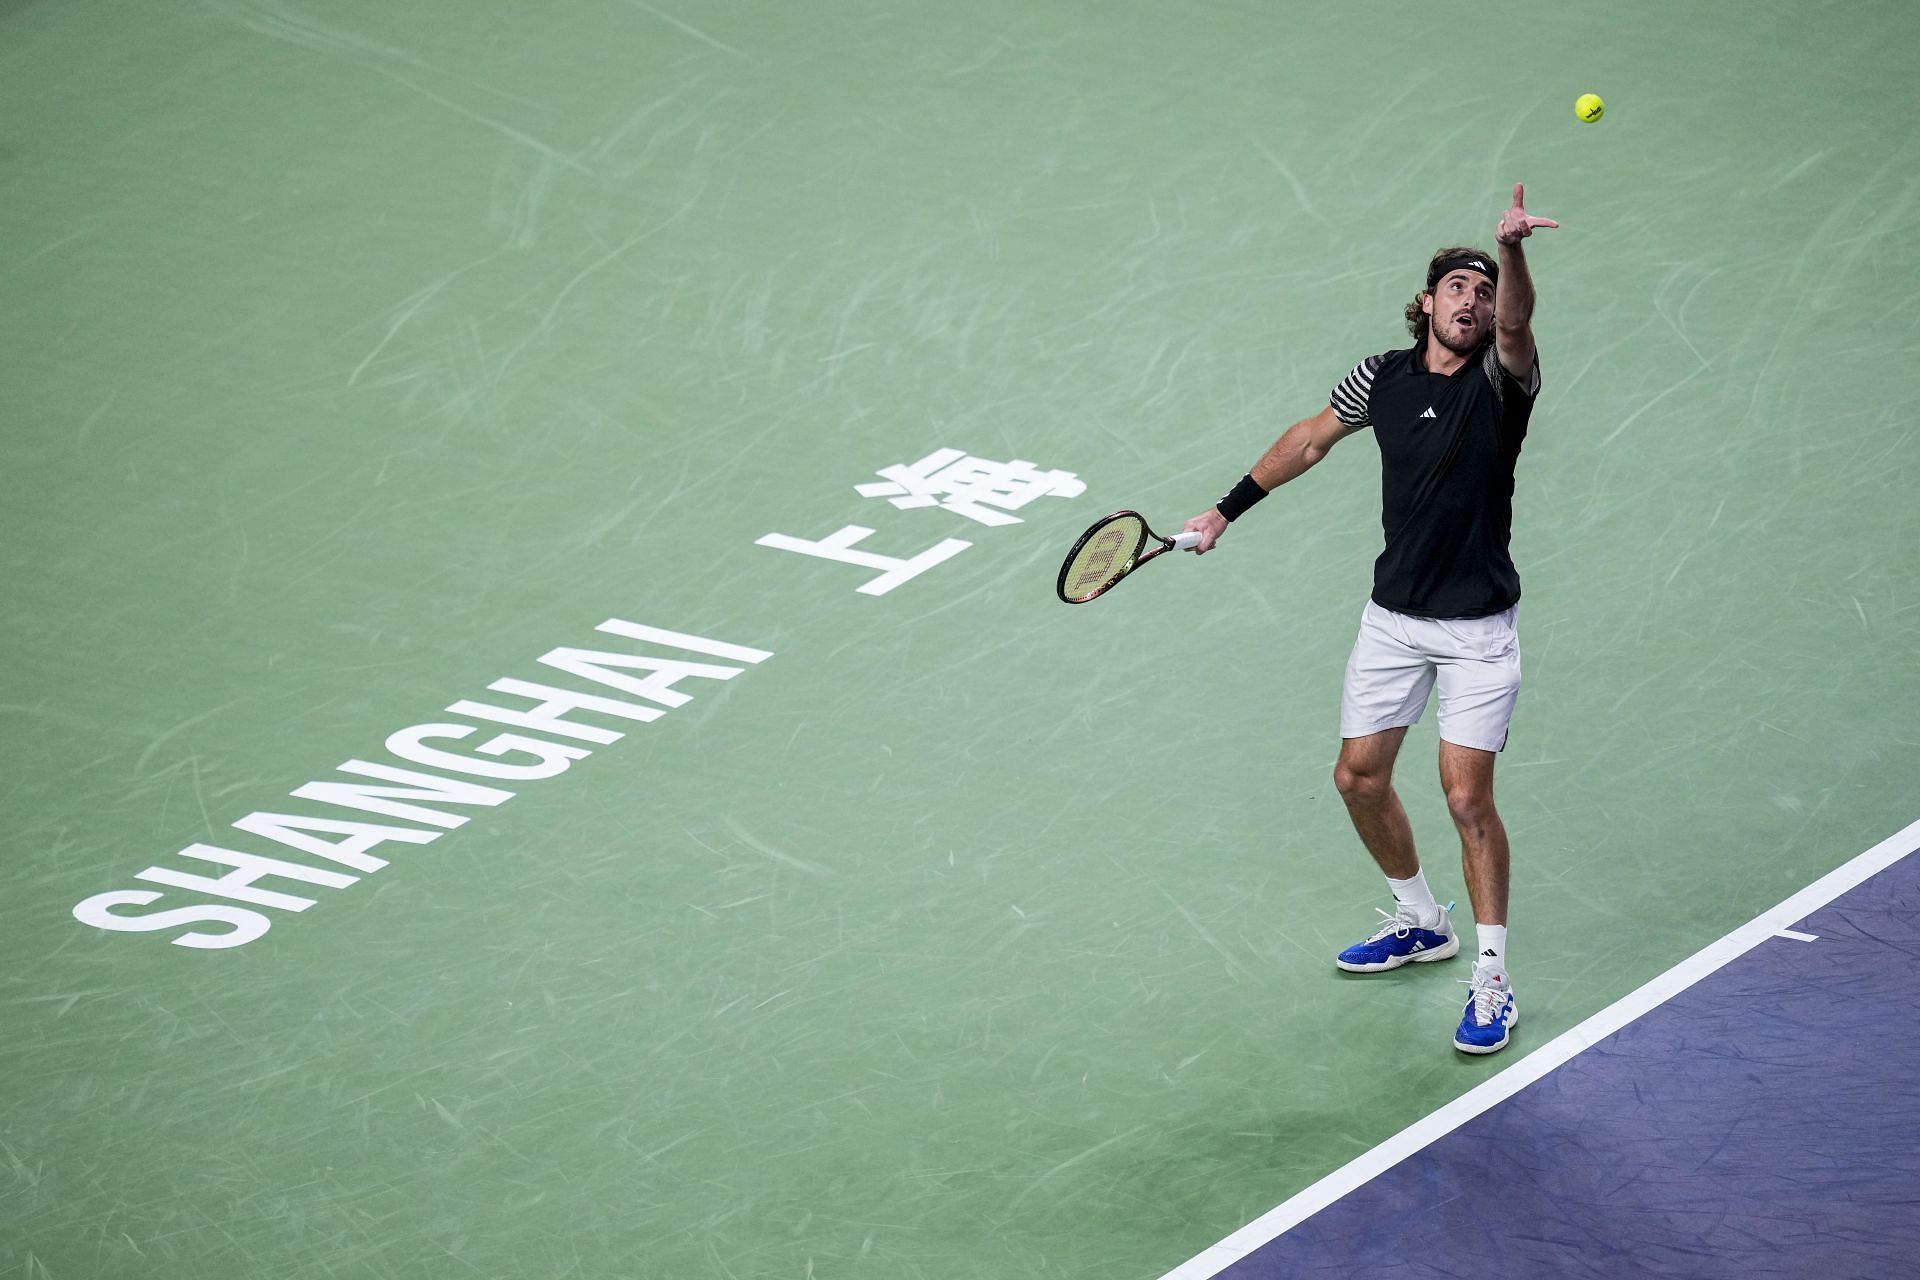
(1109, 551)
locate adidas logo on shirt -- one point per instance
(1430, 413)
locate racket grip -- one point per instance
(1186, 540)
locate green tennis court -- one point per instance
(377, 374)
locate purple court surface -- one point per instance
(1765, 1122)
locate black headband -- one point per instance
(1469, 261)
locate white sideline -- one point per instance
(1554, 1053)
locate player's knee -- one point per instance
(1471, 807)
(1359, 784)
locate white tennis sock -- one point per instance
(1415, 894)
(1493, 944)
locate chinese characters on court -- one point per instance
(979, 489)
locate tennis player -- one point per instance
(1449, 414)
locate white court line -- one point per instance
(1554, 1053)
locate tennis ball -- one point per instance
(1589, 107)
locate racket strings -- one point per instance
(1105, 556)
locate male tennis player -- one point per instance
(1449, 414)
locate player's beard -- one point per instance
(1444, 335)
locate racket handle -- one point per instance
(1186, 540)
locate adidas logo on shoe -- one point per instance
(1490, 1015)
(1406, 935)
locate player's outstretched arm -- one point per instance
(1299, 447)
(1513, 296)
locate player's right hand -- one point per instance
(1209, 524)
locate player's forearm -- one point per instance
(1289, 457)
(1513, 296)
(1302, 445)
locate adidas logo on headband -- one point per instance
(1469, 261)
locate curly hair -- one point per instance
(1417, 321)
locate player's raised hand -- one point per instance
(1516, 224)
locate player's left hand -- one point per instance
(1516, 224)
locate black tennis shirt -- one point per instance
(1448, 447)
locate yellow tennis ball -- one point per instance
(1589, 107)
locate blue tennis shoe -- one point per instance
(1490, 1013)
(1403, 938)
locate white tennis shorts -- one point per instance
(1397, 660)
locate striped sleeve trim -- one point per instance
(1529, 385)
(1351, 396)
